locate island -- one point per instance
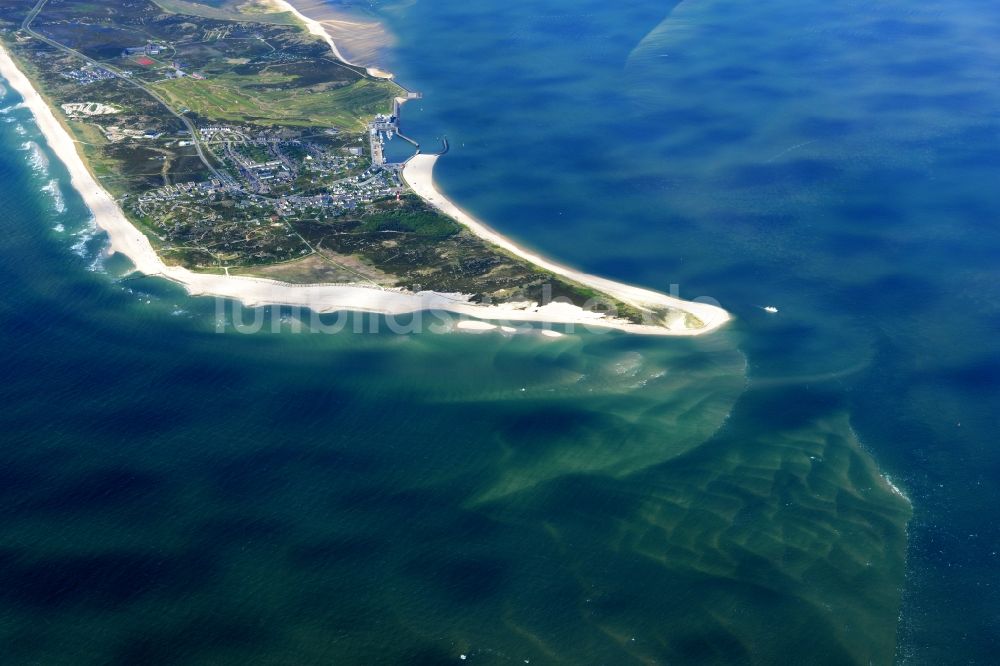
(228, 146)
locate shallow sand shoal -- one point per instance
(319, 29)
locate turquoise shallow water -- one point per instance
(835, 159)
(177, 495)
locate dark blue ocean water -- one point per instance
(172, 494)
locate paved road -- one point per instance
(196, 139)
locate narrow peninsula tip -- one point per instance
(233, 149)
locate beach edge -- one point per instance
(127, 239)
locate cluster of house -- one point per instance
(114, 133)
(150, 49)
(172, 192)
(343, 195)
(142, 55)
(265, 180)
(88, 74)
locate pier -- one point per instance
(408, 139)
(389, 125)
(378, 158)
(397, 104)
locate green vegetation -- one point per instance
(420, 222)
(241, 143)
(426, 250)
(277, 100)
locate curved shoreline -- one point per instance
(128, 240)
(418, 173)
(316, 28)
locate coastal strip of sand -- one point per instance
(316, 28)
(419, 175)
(128, 240)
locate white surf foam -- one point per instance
(53, 190)
(39, 162)
(85, 247)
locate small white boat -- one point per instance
(771, 309)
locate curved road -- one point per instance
(196, 140)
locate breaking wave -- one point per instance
(53, 190)
(89, 244)
(39, 162)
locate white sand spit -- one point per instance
(419, 175)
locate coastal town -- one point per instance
(257, 178)
(217, 136)
(235, 140)
(267, 179)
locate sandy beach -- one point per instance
(131, 242)
(321, 30)
(419, 175)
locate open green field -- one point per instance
(238, 98)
